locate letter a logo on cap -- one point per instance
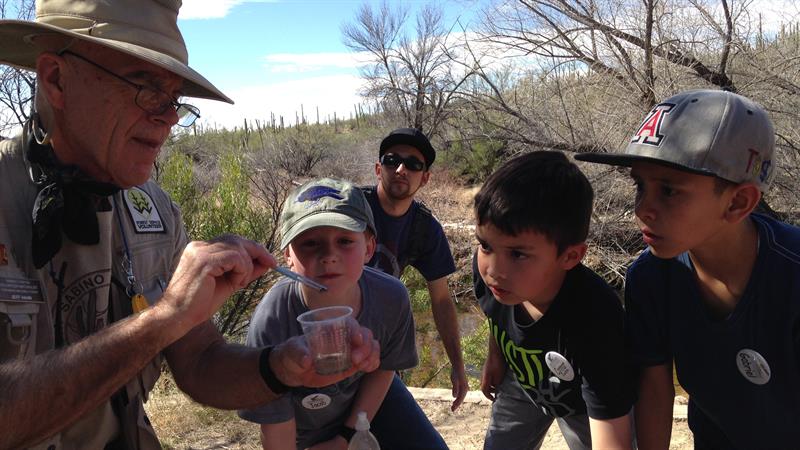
(649, 132)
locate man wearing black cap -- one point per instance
(408, 234)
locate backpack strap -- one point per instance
(367, 190)
(418, 234)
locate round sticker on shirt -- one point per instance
(316, 401)
(753, 366)
(559, 366)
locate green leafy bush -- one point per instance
(474, 347)
(226, 209)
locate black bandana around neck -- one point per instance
(68, 201)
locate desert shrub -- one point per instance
(474, 346)
(474, 160)
(226, 208)
(417, 290)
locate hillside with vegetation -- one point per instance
(566, 75)
(581, 82)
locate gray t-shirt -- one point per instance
(385, 309)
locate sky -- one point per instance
(283, 56)
(278, 56)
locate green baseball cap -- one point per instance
(324, 202)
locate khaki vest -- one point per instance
(155, 237)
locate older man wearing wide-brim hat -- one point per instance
(97, 277)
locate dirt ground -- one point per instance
(464, 429)
(183, 424)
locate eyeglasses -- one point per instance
(411, 163)
(151, 100)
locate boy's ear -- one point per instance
(289, 262)
(371, 244)
(572, 255)
(744, 199)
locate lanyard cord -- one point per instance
(127, 261)
(58, 281)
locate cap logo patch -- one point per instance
(314, 193)
(758, 167)
(649, 132)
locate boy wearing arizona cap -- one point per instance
(327, 235)
(717, 289)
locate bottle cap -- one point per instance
(362, 423)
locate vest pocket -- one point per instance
(18, 329)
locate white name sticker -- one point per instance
(753, 366)
(559, 366)
(316, 401)
(143, 211)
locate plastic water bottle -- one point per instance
(363, 439)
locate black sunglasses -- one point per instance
(411, 163)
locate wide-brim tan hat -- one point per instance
(145, 29)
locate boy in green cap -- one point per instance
(327, 235)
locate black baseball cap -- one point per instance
(412, 137)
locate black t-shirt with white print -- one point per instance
(572, 360)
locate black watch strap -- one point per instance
(346, 432)
(273, 383)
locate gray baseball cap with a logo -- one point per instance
(707, 132)
(324, 202)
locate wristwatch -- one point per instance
(273, 383)
(346, 432)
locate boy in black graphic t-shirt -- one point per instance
(556, 349)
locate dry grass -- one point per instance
(183, 424)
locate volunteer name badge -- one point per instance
(143, 211)
(316, 401)
(20, 300)
(14, 289)
(559, 366)
(753, 366)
